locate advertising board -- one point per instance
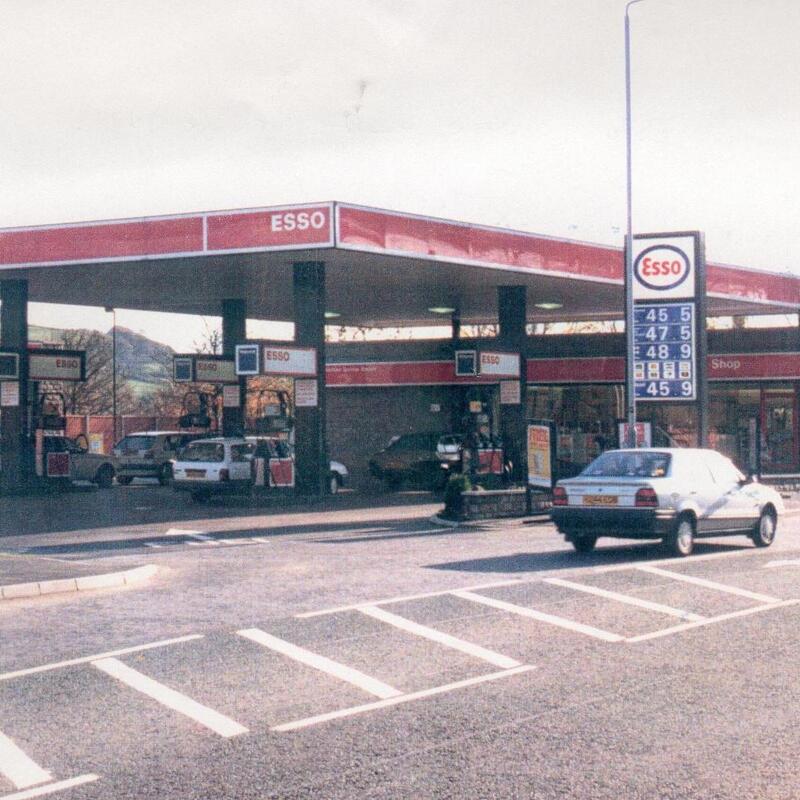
(540, 444)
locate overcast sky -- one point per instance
(501, 113)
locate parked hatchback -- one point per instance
(149, 454)
(672, 494)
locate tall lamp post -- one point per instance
(630, 383)
(111, 310)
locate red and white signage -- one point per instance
(271, 229)
(56, 367)
(664, 268)
(279, 360)
(215, 370)
(499, 365)
(597, 369)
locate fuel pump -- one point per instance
(50, 422)
(200, 410)
(483, 458)
(274, 413)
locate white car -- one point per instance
(667, 493)
(225, 465)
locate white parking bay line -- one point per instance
(719, 587)
(745, 612)
(19, 768)
(524, 611)
(393, 701)
(86, 659)
(402, 599)
(499, 660)
(51, 788)
(204, 715)
(688, 616)
(327, 665)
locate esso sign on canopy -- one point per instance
(300, 220)
(663, 270)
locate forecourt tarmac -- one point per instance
(349, 652)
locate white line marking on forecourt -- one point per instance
(712, 620)
(499, 660)
(86, 659)
(784, 563)
(204, 715)
(524, 611)
(323, 664)
(393, 701)
(19, 768)
(403, 599)
(720, 587)
(50, 788)
(625, 598)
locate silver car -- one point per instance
(667, 493)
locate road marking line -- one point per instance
(711, 620)
(625, 598)
(259, 539)
(19, 768)
(403, 599)
(344, 673)
(50, 788)
(499, 660)
(720, 587)
(524, 611)
(213, 720)
(181, 532)
(783, 563)
(405, 698)
(86, 659)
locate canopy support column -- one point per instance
(16, 450)
(512, 338)
(310, 443)
(234, 331)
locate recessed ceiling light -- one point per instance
(441, 309)
(549, 306)
(332, 314)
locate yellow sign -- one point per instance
(540, 467)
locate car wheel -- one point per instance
(334, 483)
(105, 476)
(124, 480)
(681, 540)
(165, 474)
(764, 533)
(584, 544)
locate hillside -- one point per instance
(141, 361)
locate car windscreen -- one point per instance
(203, 451)
(629, 464)
(132, 444)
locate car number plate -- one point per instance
(600, 499)
(195, 473)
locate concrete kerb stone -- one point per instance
(108, 580)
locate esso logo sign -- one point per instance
(299, 221)
(276, 355)
(662, 267)
(68, 363)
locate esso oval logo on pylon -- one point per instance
(661, 267)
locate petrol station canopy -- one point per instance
(381, 267)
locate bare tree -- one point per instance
(95, 395)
